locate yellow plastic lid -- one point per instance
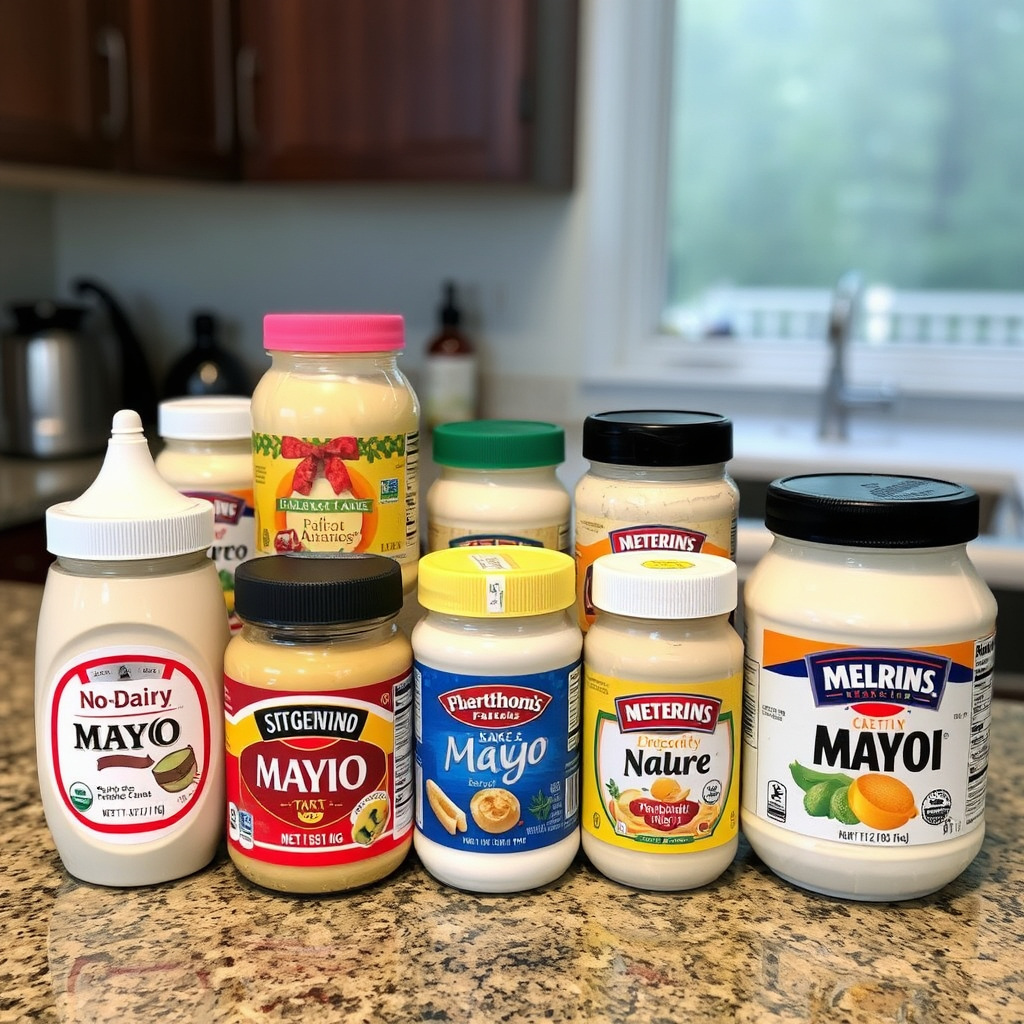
(502, 581)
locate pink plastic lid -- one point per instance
(333, 332)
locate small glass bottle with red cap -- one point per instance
(336, 439)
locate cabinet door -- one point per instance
(385, 89)
(182, 92)
(52, 82)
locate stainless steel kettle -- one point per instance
(62, 382)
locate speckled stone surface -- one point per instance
(212, 948)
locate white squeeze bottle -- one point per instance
(129, 672)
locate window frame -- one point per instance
(628, 94)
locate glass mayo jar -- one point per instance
(656, 482)
(497, 672)
(318, 710)
(336, 439)
(662, 697)
(207, 454)
(498, 485)
(129, 649)
(870, 645)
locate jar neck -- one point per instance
(335, 362)
(232, 446)
(370, 633)
(659, 474)
(502, 627)
(505, 477)
(135, 568)
(674, 629)
(912, 559)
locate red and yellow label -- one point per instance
(334, 494)
(318, 778)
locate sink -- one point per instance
(989, 461)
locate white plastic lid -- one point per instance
(128, 511)
(205, 418)
(664, 585)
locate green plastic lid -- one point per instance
(499, 444)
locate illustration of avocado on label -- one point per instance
(370, 818)
(877, 800)
(176, 771)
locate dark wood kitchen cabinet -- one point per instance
(448, 90)
(293, 90)
(142, 86)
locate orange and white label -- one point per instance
(319, 778)
(337, 494)
(873, 746)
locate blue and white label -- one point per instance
(497, 758)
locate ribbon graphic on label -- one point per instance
(320, 457)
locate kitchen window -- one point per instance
(746, 153)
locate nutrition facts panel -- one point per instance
(412, 473)
(981, 721)
(404, 781)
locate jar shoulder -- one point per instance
(284, 667)
(671, 653)
(332, 402)
(508, 647)
(933, 596)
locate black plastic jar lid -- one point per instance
(317, 590)
(872, 510)
(657, 437)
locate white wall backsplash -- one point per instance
(244, 251)
(26, 247)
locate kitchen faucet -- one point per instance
(839, 398)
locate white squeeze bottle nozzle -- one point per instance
(129, 713)
(129, 511)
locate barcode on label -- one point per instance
(572, 795)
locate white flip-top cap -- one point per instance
(205, 418)
(128, 511)
(664, 585)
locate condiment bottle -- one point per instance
(657, 482)
(207, 368)
(870, 653)
(319, 706)
(207, 454)
(128, 706)
(662, 700)
(498, 485)
(497, 672)
(450, 369)
(336, 439)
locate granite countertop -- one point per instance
(212, 948)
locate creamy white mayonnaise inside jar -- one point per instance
(870, 650)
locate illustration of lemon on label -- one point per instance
(370, 818)
(876, 800)
(177, 771)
